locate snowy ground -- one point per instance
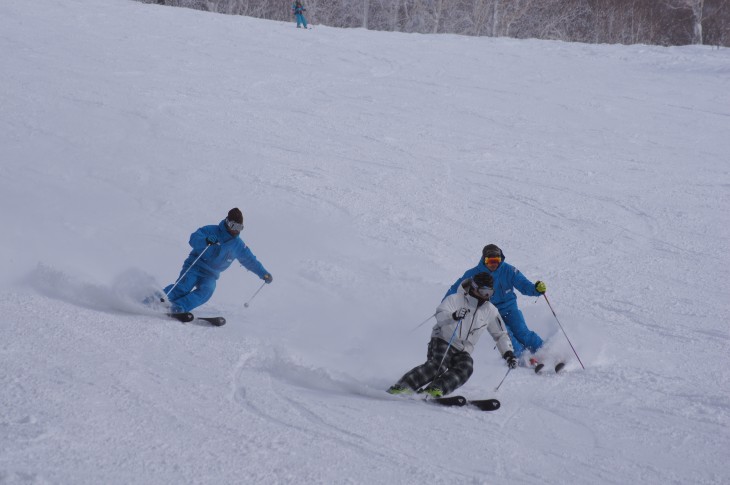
(371, 168)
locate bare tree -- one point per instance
(663, 22)
(697, 9)
(479, 16)
(716, 22)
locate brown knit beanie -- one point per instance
(235, 215)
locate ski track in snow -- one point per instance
(371, 167)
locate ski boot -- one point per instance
(433, 392)
(398, 390)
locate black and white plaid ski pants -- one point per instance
(455, 371)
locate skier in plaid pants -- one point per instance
(460, 320)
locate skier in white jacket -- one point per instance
(460, 320)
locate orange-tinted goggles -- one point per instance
(492, 260)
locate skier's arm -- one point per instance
(249, 261)
(498, 331)
(525, 286)
(198, 238)
(445, 311)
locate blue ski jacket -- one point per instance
(506, 279)
(220, 256)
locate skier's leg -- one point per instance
(516, 344)
(205, 286)
(519, 332)
(423, 374)
(461, 367)
(183, 287)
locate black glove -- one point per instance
(460, 313)
(268, 278)
(509, 356)
(212, 239)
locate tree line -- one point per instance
(657, 22)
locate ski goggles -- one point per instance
(492, 259)
(483, 291)
(234, 226)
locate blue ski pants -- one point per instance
(301, 20)
(192, 291)
(522, 337)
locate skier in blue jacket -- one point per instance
(506, 279)
(298, 10)
(223, 246)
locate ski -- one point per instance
(539, 366)
(558, 367)
(485, 404)
(186, 317)
(448, 401)
(460, 401)
(536, 365)
(182, 316)
(215, 321)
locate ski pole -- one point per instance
(444, 357)
(505, 377)
(254, 295)
(561, 328)
(422, 323)
(167, 293)
(447, 348)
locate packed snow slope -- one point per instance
(371, 169)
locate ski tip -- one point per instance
(482, 404)
(182, 317)
(486, 404)
(215, 321)
(448, 400)
(559, 366)
(539, 368)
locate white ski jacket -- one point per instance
(473, 325)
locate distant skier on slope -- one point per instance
(221, 244)
(461, 318)
(506, 279)
(298, 10)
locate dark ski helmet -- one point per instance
(492, 250)
(483, 279)
(482, 286)
(235, 215)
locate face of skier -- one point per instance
(234, 228)
(481, 292)
(492, 261)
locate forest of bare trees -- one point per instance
(660, 22)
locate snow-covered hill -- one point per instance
(371, 169)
